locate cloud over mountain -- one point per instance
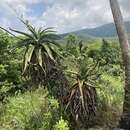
(64, 15)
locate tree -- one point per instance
(125, 48)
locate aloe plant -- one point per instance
(40, 51)
(82, 98)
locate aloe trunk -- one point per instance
(125, 49)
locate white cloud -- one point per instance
(72, 15)
(10, 10)
(64, 15)
(15, 2)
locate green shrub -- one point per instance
(30, 111)
(61, 125)
(10, 62)
(110, 99)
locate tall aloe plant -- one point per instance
(82, 97)
(40, 51)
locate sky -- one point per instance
(63, 15)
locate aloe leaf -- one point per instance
(81, 92)
(40, 58)
(27, 57)
(23, 33)
(49, 52)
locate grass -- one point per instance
(30, 111)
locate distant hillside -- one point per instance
(107, 30)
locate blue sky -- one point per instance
(37, 9)
(63, 15)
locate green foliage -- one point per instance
(106, 52)
(83, 72)
(110, 52)
(10, 62)
(110, 99)
(30, 111)
(91, 67)
(109, 91)
(61, 125)
(40, 51)
(107, 76)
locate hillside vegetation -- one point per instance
(107, 31)
(63, 85)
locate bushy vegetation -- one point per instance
(31, 111)
(64, 86)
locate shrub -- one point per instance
(30, 111)
(61, 125)
(110, 99)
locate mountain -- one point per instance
(107, 30)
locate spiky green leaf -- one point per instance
(27, 57)
(49, 52)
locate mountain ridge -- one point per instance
(106, 30)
